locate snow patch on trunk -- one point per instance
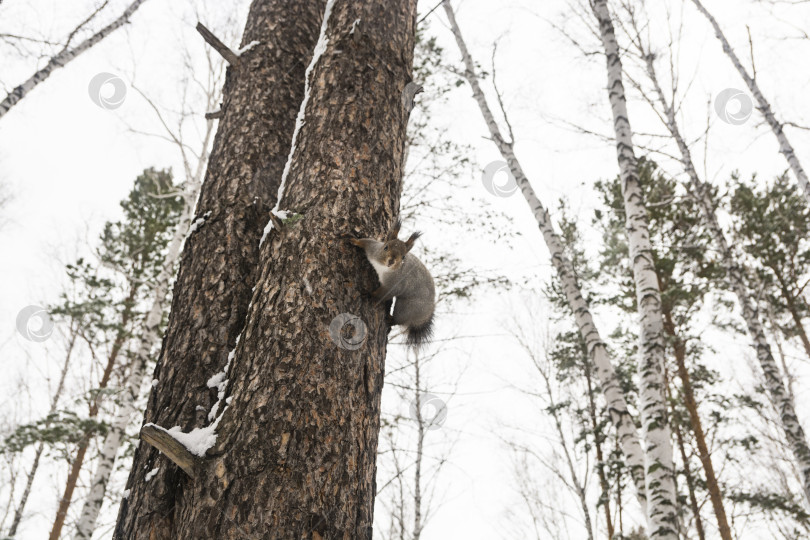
(198, 222)
(151, 474)
(320, 48)
(246, 48)
(198, 440)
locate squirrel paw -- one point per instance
(350, 238)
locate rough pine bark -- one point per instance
(659, 473)
(779, 394)
(218, 267)
(65, 56)
(296, 436)
(785, 148)
(597, 351)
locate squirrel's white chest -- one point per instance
(382, 270)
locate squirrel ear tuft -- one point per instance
(394, 232)
(410, 241)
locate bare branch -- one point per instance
(751, 48)
(83, 24)
(172, 449)
(499, 96)
(231, 57)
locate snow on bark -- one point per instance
(781, 398)
(785, 148)
(220, 262)
(64, 57)
(614, 396)
(220, 381)
(199, 222)
(149, 339)
(320, 47)
(662, 509)
(246, 48)
(151, 473)
(197, 441)
(304, 418)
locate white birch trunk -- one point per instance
(662, 505)
(614, 397)
(780, 396)
(785, 148)
(65, 56)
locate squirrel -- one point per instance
(404, 277)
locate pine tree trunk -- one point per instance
(764, 107)
(662, 507)
(597, 351)
(790, 301)
(690, 481)
(218, 267)
(689, 401)
(779, 395)
(296, 438)
(65, 56)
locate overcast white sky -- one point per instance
(69, 162)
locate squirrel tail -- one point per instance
(419, 336)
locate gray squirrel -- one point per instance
(404, 277)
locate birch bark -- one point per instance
(81, 452)
(785, 148)
(597, 351)
(65, 56)
(781, 398)
(659, 473)
(420, 445)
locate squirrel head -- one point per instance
(394, 250)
